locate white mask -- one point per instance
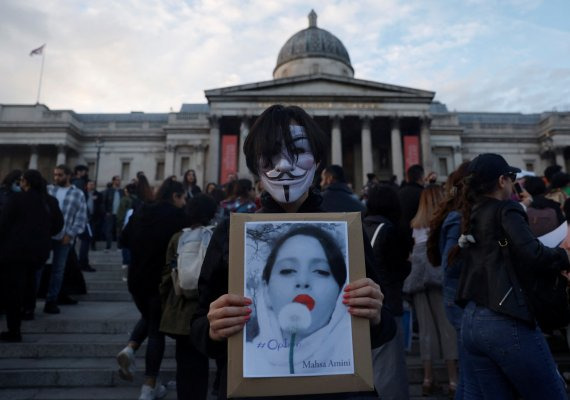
(288, 178)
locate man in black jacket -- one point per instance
(287, 172)
(111, 198)
(409, 195)
(337, 196)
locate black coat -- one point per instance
(108, 197)
(28, 222)
(409, 196)
(213, 283)
(338, 197)
(147, 235)
(391, 251)
(483, 277)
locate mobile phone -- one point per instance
(518, 188)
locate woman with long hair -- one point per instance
(424, 284)
(30, 218)
(505, 351)
(147, 235)
(190, 184)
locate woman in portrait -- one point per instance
(300, 306)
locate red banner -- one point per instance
(229, 157)
(411, 151)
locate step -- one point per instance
(83, 393)
(105, 296)
(87, 345)
(100, 275)
(71, 372)
(106, 285)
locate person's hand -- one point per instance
(228, 315)
(364, 298)
(66, 239)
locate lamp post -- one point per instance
(99, 145)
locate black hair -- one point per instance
(200, 209)
(330, 247)
(217, 194)
(415, 173)
(131, 188)
(271, 131)
(336, 172)
(80, 167)
(13, 176)
(551, 170)
(168, 188)
(383, 200)
(66, 170)
(185, 182)
(559, 180)
(242, 187)
(534, 185)
(35, 180)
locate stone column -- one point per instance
(560, 157)
(336, 142)
(213, 171)
(61, 156)
(397, 154)
(366, 142)
(33, 164)
(426, 145)
(199, 157)
(169, 160)
(243, 132)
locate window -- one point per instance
(443, 166)
(529, 166)
(91, 169)
(184, 165)
(159, 174)
(125, 171)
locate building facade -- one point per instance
(372, 126)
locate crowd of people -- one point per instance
(462, 252)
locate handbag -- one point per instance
(548, 296)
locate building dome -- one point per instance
(313, 50)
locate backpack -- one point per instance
(192, 246)
(542, 220)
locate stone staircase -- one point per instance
(71, 356)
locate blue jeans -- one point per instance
(506, 358)
(60, 252)
(454, 314)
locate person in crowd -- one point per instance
(559, 188)
(210, 187)
(74, 209)
(190, 184)
(191, 365)
(505, 352)
(144, 190)
(287, 172)
(445, 228)
(549, 172)
(129, 202)
(424, 284)
(371, 180)
(80, 177)
(544, 215)
(10, 185)
(87, 238)
(111, 200)
(409, 195)
(30, 219)
(243, 198)
(147, 235)
(391, 250)
(337, 196)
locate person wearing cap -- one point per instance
(506, 355)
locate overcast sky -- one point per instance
(154, 55)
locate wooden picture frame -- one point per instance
(242, 382)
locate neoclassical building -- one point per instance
(372, 126)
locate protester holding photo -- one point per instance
(284, 148)
(301, 305)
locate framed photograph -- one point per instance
(300, 338)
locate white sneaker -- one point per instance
(126, 361)
(125, 269)
(149, 393)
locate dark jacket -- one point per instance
(108, 197)
(540, 202)
(338, 197)
(213, 283)
(192, 191)
(484, 278)
(27, 224)
(391, 252)
(147, 235)
(409, 196)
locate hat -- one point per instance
(490, 166)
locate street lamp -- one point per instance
(99, 144)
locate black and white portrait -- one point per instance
(295, 273)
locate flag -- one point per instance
(38, 52)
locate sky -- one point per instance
(105, 56)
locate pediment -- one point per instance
(319, 86)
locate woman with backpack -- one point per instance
(506, 355)
(178, 305)
(147, 236)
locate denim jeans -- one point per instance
(60, 252)
(506, 358)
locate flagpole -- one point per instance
(41, 76)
